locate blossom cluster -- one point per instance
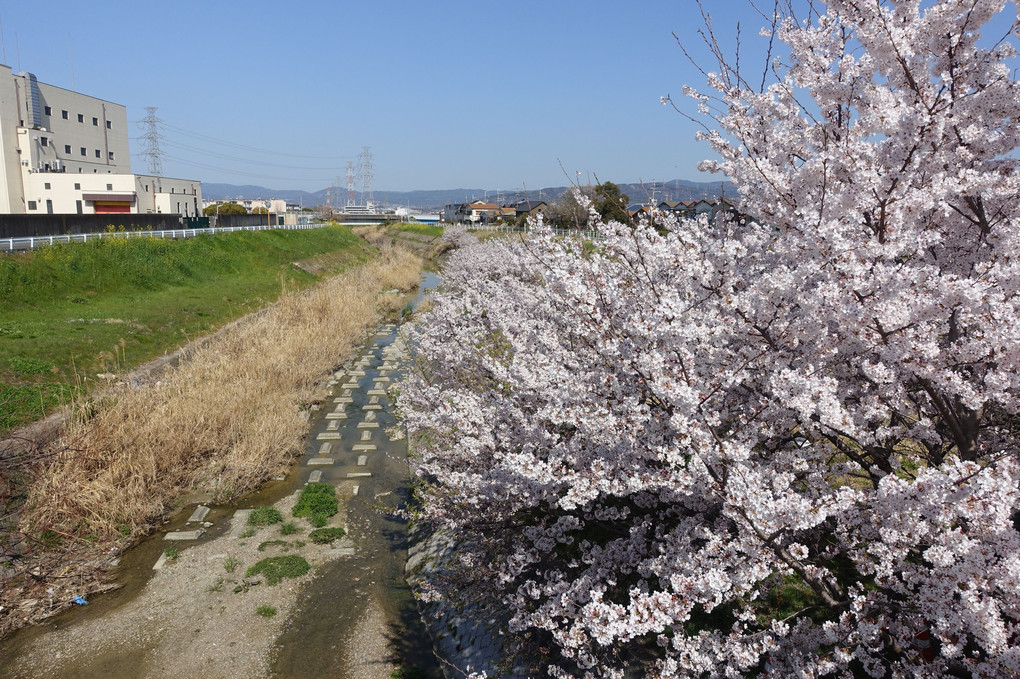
(783, 443)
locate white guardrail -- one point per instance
(33, 242)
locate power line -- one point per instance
(251, 161)
(242, 147)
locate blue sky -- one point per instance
(447, 94)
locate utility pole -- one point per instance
(152, 153)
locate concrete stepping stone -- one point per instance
(320, 461)
(343, 399)
(349, 385)
(374, 400)
(358, 475)
(346, 392)
(185, 534)
(328, 436)
(336, 415)
(376, 392)
(315, 476)
(356, 373)
(158, 566)
(362, 460)
(199, 514)
(371, 406)
(370, 417)
(367, 447)
(354, 490)
(326, 448)
(239, 522)
(378, 380)
(333, 425)
(368, 425)
(366, 436)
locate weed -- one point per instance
(317, 498)
(275, 568)
(409, 672)
(216, 586)
(266, 611)
(248, 533)
(298, 544)
(172, 553)
(319, 520)
(273, 543)
(264, 516)
(322, 536)
(288, 528)
(230, 563)
(30, 366)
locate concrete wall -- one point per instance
(22, 226)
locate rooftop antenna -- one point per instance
(152, 153)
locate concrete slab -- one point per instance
(325, 448)
(370, 416)
(320, 461)
(185, 534)
(343, 399)
(336, 416)
(381, 380)
(328, 436)
(333, 425)
(366, 435)
(367, 447)
(239, 522)
(315, 476)
(362, 460)
(372, 407)
(160, 562)
(357, 372)
(346, 393)
(376, 392)
(374, 400)
(349, 385)
(199, 514)
(368, 425)
(354, 491)
(358, 475)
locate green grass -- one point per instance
(322, 536)
(264, 516)
(266, 611)
(317, 499)
(275, 568)
(69, 312)
(422, 228)
(288, 528)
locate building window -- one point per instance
(99, 154)
(67, 148)
(31, 205)
(111, 155)
(81, 118)
(95, 121)
(109, 187)
(108, 125)
(63, 114)
(77, 186)
(83, 151)
(47, 110)
(46, 186)
(44, 141)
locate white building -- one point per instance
(65, 152)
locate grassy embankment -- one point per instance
(71, 312)
(221, 422)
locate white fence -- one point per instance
(32, 242)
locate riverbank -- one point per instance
(220, 423)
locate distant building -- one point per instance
(65, 152)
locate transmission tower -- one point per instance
(365, 170)
(152, 153)
(350, 184)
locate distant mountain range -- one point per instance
(675, 189)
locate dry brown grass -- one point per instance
(224, 421)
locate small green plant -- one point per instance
(275, 568)
(412, 672)
(298, 544)
(318, 520)
(216, 586)
(30, 366)
(172, 553)
(288, 528)
(322, 536)
(264, 516)
(273, 543)
(230, 563)
(248, 533)
(266, 611)
(317, 498)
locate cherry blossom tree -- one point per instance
(785, 446)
